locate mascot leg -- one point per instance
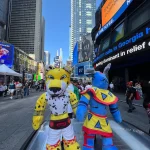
(88, 141)
(108, 144)
(53, 140)
(69, 140)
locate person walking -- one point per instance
(146, 102)
(130, 95)
(5, 89)
(19, 89)
(26, 89)
(1, 89)
(11, 89)
(111, 85)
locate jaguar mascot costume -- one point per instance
(58, 99)
(96, 123)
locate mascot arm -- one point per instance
(73, 101)
(39, 110)
(82, 107)
(115, 112)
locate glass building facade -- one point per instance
(4, 18)
(82, 20)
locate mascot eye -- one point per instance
(63, 77)
(50, 77)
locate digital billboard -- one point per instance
(109, 9)
(6, 54)
(85, 49)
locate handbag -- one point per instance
(137, 95)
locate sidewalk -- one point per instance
(7, 98)
(122, 98)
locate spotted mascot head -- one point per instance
(57, 80)
(99, 79)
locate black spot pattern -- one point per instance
(39, 106)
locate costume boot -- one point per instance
(57, 146)
(71, 144)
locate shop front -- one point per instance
(130, 57)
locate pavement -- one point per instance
(16, 119)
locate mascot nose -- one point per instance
(55, 89)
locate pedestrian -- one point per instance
(26, 89)
(88, 86)
(19, 87)
(11, 89)
(111, 86)
(1, 89)
(138, 87)
(146, 102)
(5, 89)
(130, 95)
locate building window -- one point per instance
(105, 43)
(118, 33)
(88, 30)
(140, 17)
(88, 6)
(79, 13)
(88, 13)
(88, 21)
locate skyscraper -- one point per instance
(82, 20)
(25, 28)
(42, 38)
(47, 57)
(5, 10)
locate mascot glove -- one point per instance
(117, 117)
(37, 121)
(81, 112)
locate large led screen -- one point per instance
(6, 54)
(109, 9)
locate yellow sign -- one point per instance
(109, 9)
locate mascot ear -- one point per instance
(106, 69)
(49, 67)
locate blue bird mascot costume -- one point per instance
(96, 123)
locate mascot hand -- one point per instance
(37, 121)
(81, 112)
(117, 117)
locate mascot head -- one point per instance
(99, 79)
(57, 80)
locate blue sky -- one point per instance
(57, 20)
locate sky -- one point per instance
(57, 14)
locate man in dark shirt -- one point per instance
(130, 95)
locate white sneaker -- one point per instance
(11, 97)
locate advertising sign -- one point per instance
(85, 49)
(145, 45)
(135, 37)
(111, 11)
(6, 54)
(81, 70)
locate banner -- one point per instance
(6, 54)
(85, 49)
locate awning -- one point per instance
(4, 70)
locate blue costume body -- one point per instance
(96, 123)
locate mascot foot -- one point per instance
(112, 147)
(57, 146)
(71, 145)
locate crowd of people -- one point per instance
(17, 88)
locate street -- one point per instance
(16, 117)
(15, 121)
